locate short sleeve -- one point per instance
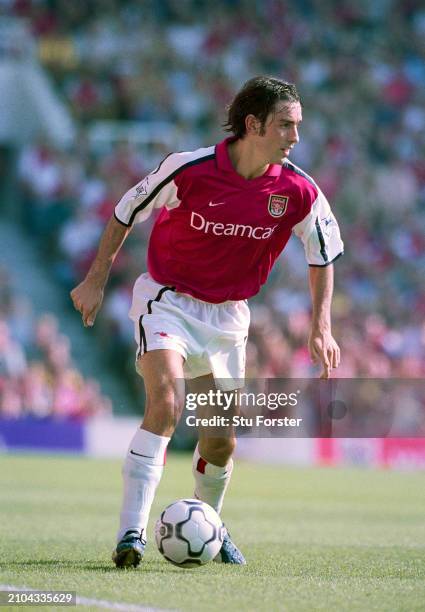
(156, 190)
(320, 234)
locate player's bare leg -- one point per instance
(162, 372)
(213, 465)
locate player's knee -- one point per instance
(164, 405)
(166, 392)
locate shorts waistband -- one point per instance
(195, 299)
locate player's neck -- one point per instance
(245, 159)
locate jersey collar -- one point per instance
(224, 163)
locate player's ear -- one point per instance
(252, 124)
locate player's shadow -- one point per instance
(158, 567)
(155, 567)
(38, 562)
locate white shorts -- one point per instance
(210, 337)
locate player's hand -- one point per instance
(323, 349)
(87, 298)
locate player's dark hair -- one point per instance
(257, 97)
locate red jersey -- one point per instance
(219, 234)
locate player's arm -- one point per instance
(322, 242)
(321, 344)
(87, 297)
(157, 189)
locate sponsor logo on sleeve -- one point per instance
(142, 188)
(277, 204)
(327, 224)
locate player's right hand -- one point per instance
(87, 298)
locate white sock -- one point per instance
(211, 481)
(142, 471)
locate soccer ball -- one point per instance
(189, 533)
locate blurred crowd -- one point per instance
(360, 68)
(37, 376)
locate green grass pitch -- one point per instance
(315, 539)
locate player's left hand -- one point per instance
(324, 349)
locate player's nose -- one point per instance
(294, 136)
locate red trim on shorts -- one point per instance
(201, 465)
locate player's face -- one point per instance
(280, 132)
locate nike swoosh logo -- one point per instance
(216, 203)
(139, 455)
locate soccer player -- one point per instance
(227, 212)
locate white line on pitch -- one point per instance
(100, 603)
(115, 605)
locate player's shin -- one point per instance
(142, 471)
(211, 481)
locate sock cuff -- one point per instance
(201, 466)
(149, 446)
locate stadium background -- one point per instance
(93, 95)
(96, 93)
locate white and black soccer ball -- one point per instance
(189, 533)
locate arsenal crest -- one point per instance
(278, 205)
